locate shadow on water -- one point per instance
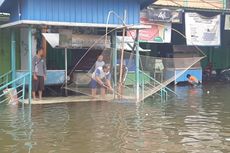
(198, 120)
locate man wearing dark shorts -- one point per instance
(39, 73)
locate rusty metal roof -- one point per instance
(197, 4)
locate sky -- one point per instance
(1, 1)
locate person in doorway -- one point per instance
(101, 78)
(193, 80)
(208, 70)
(39, 73)
(99, 62)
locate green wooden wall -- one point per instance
(218, 56)
(56, 58)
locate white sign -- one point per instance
(227, 22)
(202, 31)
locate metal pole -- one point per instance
(23, 89)
(224, 4)
(143, 85)
(30, 63)
(137, 66)
(13, 56)
(66, 69)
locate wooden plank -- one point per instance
(70, 99)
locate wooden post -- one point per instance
(44, 45)
(122, 57)
(114, 46)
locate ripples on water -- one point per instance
(193, 122)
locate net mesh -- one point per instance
(154, 73)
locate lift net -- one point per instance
(154, 74)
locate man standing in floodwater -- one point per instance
(101, 79)
(39, 73)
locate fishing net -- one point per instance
(127, 83)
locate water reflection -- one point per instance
(194, 122)
(15, 128)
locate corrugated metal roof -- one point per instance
(6, 4)
(79, 11)
(201, 4)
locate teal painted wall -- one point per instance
(5, 60)
(4, 51)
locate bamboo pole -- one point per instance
(122, 56)
(137, 67)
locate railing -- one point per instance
(158, 86)
(148, 88)
(5, 78)
(14, 90)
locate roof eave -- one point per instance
(192, 8)
(68, 24)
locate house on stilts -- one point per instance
(73, 33)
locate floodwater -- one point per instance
(193, 122)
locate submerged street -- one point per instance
(197, 121)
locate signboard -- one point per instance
(158, 33)
(202, 31)
(227, 22)
(77, 41)
(65, 38)
(164, 15)
(87, 41)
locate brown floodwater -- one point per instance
(192, 122)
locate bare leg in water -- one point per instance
(34, 95)
(94, 91)
(40, 95)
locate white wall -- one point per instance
(24, 47)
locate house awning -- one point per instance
(76, 41)
(52, 39)
(86, 41)
(69, 24)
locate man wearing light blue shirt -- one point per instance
(101, 79)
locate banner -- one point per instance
(227, 22)
(65, 38)
(202, 31)
(158, 33)
(164, 15)
(4, 17)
